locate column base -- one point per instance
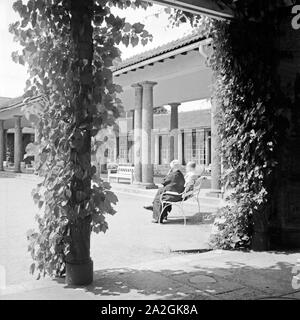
(79, 274)
(146, 185)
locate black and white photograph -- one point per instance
(149, 151)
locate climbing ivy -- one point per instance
(252, 116)
(69, 48)
(253, 123)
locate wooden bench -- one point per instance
(123, 173)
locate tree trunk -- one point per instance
(79, 266)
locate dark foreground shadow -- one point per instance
(232, 281)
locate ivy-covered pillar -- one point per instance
(147, 126)
(1, 144)
(284, 221)
(79, 265)
(138, 91)
(256, 64)
(215, 147)
(18, 144)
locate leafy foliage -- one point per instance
(78, 98)
(252, 124)
(160, 110)
(252, 119)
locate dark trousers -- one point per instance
(157, 206)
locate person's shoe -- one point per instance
(161, 220)
(148, 208)
(154, 221)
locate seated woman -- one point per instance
(192, 174)
(174, 181)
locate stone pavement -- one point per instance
(139, 260)
(130, 239)
(212, 275)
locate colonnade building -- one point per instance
(171, 77)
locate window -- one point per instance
(194, 146)
(118, 147)
(163, 149)
(159, 149)
(130, 148)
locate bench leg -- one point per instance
(183, 213)
(163, 207)
(199, 209)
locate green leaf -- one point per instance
(127, 27)
(111, 197)
(134, 41)
(32, 268)
(138, 27)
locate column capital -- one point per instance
(148, 83)
(174, 104)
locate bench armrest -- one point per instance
(173, 193)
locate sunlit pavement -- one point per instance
(131, 237)
(136, 259)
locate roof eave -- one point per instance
(157, 58)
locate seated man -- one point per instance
(174, 181)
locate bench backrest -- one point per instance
(195, 189)
(126, 170)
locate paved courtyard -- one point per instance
(139, 260)
(131, 237)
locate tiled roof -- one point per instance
(9, 102)
(170, 46)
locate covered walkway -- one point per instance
(168, 75)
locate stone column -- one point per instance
(18, 144)
(156, 148)
(115, 149)
(147, 126)
(179, 146)
(1, 144)
(173, 144)
(207, 149)
(137, 133)
(215, 147)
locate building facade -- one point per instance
(193, 141)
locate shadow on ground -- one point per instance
(192, 219)
(8, 175)
(232, 281)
